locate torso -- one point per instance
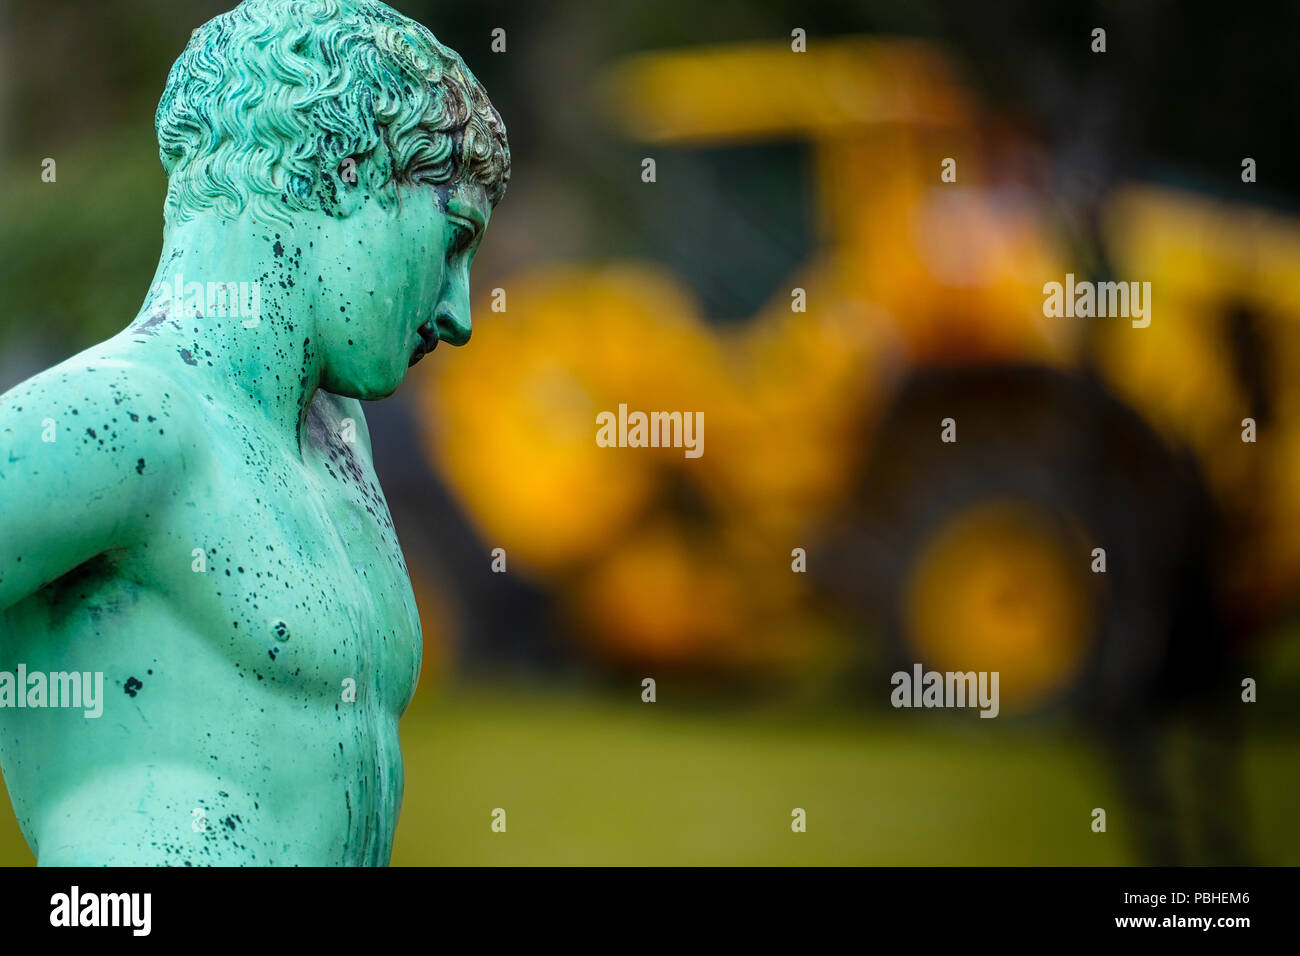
(252, 686)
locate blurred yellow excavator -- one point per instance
(1099, 527)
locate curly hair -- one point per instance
(267, 102)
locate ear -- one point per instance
(349, 183)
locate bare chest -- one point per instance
(296, 571)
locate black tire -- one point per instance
(1065, 445)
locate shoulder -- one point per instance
(100, 410)
(87, 449)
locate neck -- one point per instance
(237, 316)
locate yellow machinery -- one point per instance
(924, 301)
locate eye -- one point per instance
(462, 236)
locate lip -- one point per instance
(428, 342)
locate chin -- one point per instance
(366, 390)
(375, 392)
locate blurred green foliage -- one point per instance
(60, 280)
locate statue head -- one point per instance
(363, 154)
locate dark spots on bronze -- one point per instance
(139, 466)
(187, 358)
(132, 686)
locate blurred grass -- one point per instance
(588, 780)
(593, 782)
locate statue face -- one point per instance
(397, 284)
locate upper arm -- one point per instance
(85, 453)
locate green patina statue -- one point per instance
(189, 510)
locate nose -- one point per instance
(451, 318)
(453, 326)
